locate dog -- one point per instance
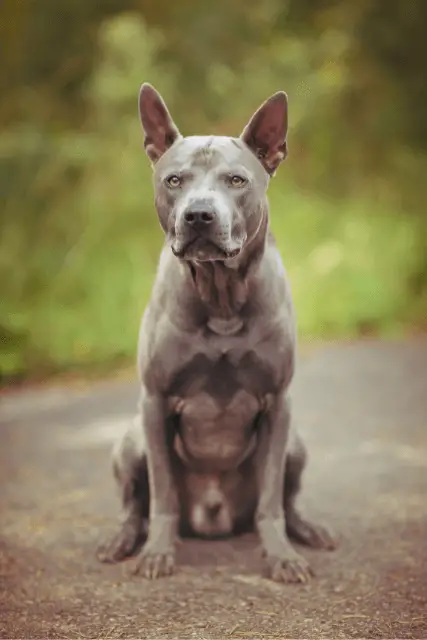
(217, 341)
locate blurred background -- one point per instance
(79, 235)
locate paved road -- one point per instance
(363, 411)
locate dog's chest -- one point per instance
(225, 326)
(222, 374)
(219, 402)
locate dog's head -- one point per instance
(210, 191)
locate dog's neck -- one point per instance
(223, 287)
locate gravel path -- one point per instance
(362, 409)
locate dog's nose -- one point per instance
(199, 218)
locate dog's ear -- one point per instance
(265, 134)
(160, 131)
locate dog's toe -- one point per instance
(153, 565)
(289, 570)
(121, 546)
(310, 534)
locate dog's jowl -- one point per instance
(216, 356)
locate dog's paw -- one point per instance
(122, 545)
(154, 563)
(310, 534)
(289, 568)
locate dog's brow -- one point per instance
(206, 154)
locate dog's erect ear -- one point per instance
(160, 131)
(265, 134)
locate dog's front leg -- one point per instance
(157, 557)
(283, 562)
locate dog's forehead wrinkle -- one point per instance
(206, 156)
(209, 148)
(210, 157)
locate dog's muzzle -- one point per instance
(200, 235)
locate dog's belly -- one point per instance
(220, 441)
(210, 455)
(220, 402)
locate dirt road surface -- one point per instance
(362, 409)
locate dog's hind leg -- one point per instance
(298, 527)
(130, 472)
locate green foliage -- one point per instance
(350, 264)
(79, 235)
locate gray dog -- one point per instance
(216, 349)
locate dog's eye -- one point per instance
(173, 181)
(237, 181)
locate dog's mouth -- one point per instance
(203, 250)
